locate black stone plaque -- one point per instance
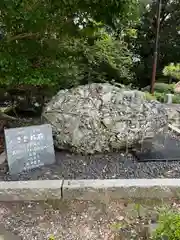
(29, 147)
(164, 148)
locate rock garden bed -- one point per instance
(53, 220)
(113, 165)
(103, 166)
(117, 164)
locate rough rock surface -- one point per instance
(2, 157)
(101, 117)
(173, 111)
(177, 87)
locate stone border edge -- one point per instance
(89, 189)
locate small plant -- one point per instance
(138, 209)
(51, 238)
(168, 226)
(172, 70)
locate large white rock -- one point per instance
(102, 117)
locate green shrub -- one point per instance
(162, 88)
(160, 96)
(168, 226)
(172, 70)
(157, 96)
(171, 87)
(176, 98)
(149, 96)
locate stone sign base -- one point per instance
(164, 148)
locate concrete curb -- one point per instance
(121, 189)
(31, 190)
(103, 190)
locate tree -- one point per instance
(43, 42)
(169, 45)
(54, 44)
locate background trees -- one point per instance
(61, 44)
(169, 44)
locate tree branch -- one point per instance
(7, 117)
(22, 36)
(164, 12)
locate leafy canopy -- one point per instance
(169, 44)
(62, 42)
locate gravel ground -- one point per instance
(74, 220)
(77, 220)
(105, 166)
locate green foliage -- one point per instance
(168, 226)
(176, 98)
(149, 96)
(160, 96)
(162, 88)
(51, 238)
(63, 43)
(108, 59)
(172, 70)
(156, 96)
(38, 14)
(169, 44)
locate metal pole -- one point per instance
(156, 48)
